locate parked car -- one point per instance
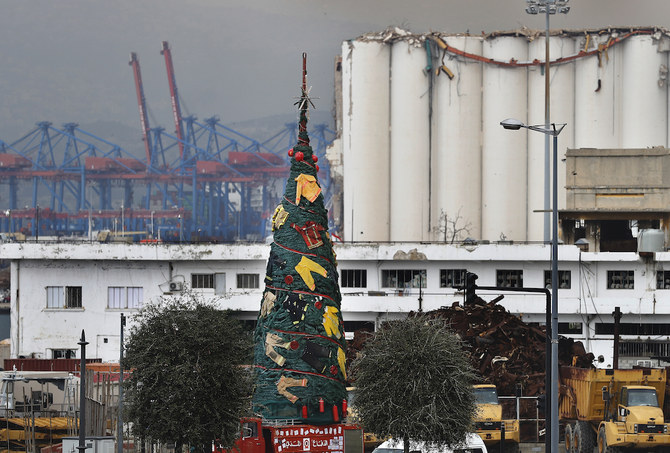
(472, 444)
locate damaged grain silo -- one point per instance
(420, 126)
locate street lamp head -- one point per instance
(547, 6)
(512, 124)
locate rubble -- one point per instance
(504, 350)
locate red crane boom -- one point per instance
(176, 110)
(144, 120)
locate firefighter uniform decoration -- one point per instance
(299, 339)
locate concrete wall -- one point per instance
(618, 179)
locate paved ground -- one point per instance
(535, 448)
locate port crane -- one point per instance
(204, 182)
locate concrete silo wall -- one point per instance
(410, 143)
(423, 149)
(504, 161)
(597, 95)
(366, 144)
(456, 151)
(562, 104)
(644, 120)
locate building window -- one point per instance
(124, 297)
(220, 283)
(620, 279)
(403, 278)
(55, 297)
(564, 279)
(63, 354)
(135, 296)
(116, 297)
(569, 328)
(248, 281)
(506, 278)
(662, 279)
(354, 278)
(73, 297)
(202, 281)
(64, 297)
(450, 278)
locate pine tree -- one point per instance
(299, 337)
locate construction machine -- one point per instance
(615, 410)
(489, 422)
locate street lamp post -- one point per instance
(8, 213)
(552, 402)
(548, 7)
(180, 228)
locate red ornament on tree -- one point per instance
(317, 167)
(290, 152)
(315, 158)
(295, 345)
(288, 279)
(333, 370)
(318, 305)
(299, 156)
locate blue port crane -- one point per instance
(204, 182)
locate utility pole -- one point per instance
(119, 428)
(82, 395)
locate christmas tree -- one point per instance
(299, 338)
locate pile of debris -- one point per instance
(504, 350)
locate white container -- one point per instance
(94, 444)
(651, 240)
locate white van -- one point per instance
(472, 444)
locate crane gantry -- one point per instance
(205, 181)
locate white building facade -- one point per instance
(60, 289)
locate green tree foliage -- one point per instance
(187, 385)
(414, 381)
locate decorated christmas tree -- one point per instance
(299, 339)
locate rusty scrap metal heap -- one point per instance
(503, 349)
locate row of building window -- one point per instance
(122, 297)
(125, 297)
(505, 278)
(218, 281)
(61, 297)
(449, 278)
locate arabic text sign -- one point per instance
(308, 438)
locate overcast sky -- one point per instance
(67, 60)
